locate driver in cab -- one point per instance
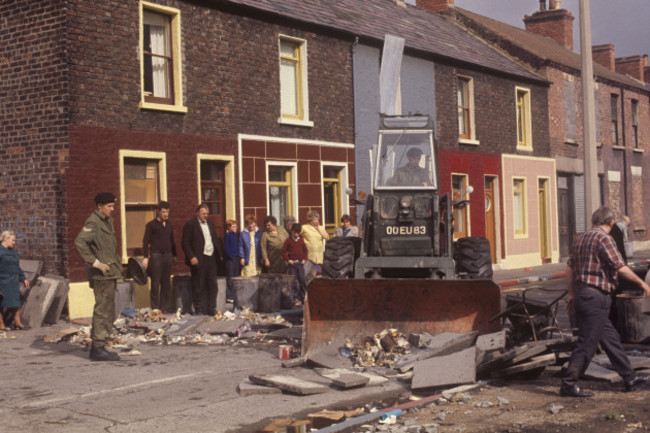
(411, 174)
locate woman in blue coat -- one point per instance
(10, 278)
(250, 249)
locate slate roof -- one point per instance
(544, 48)
(422, 30)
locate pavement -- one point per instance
(550, 271)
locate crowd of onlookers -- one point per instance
(278, 248)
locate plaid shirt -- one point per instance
(595, 260)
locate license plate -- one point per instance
(406, 230)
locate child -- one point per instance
(294, 252)
(231, 243)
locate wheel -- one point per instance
(338, 259)
(472, 256)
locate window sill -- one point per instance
(638, 150)
(618, 147)
(639, 229)
(162, 107)
(571, 142)
(296, 122)
(469, 141)
(521, 236)
(525, 149)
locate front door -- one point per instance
(490, 216)
(212, 193)
(544, 231)
(563, 215)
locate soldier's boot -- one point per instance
(102, 354)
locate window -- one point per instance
(281, 194)
(635, 123)
(142, 176)
(466, 132)
(293, 82)
(160, 59)
(461, 213)
(614, 110)
(524, 137)
(519, 206)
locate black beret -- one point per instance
(414, 152)
(105, 197)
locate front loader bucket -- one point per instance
(355, 308)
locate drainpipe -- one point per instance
(624, 148)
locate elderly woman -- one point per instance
(314, 235)
(249, 248)
(10, 278)
(272, 243)
(346, 229)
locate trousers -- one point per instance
(300, 285)
(592, 314)
(204, 285)
(103, 312)
(160, 269)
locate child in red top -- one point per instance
(294, 252)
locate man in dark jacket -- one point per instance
(97, 245)
(202, 249)
(159, 250)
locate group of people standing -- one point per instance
(278, 249)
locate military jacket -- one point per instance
(97, 240)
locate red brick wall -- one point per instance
(556, 24)
(33, 134)
(495, 113)
(94, 167)
(230, 73)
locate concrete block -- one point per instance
(124, 296)
(490, 342)
(438, 345)
(350, 380)
(221, 326)
(457, 368)
(597, 372)
(38, 301)
(221, 294)
(31, 269)
(246, 388)
(637, 362)
(329, 356)
(419, 340)
(289, 384)
(185, 326)
(334, 373)
(59, 301)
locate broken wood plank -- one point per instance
(289, 384)
(540, 361)
(495, 360)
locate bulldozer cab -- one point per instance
(406, 154)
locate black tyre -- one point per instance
(472, 256)
(338, 259)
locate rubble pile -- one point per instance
(147, 326)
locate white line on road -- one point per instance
(55, 401)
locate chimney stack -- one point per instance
(604, 55)
(435, 5)
(634, 66)
(554, 23)
(646, 74)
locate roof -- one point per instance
(422, 30)
(544, 48)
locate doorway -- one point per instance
(212, 193)
(490, 215)
(544, 231)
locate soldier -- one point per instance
(97, 245)
(411, 174)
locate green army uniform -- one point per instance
(97, 241)
(409, 175)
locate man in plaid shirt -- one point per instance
(592, 275)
